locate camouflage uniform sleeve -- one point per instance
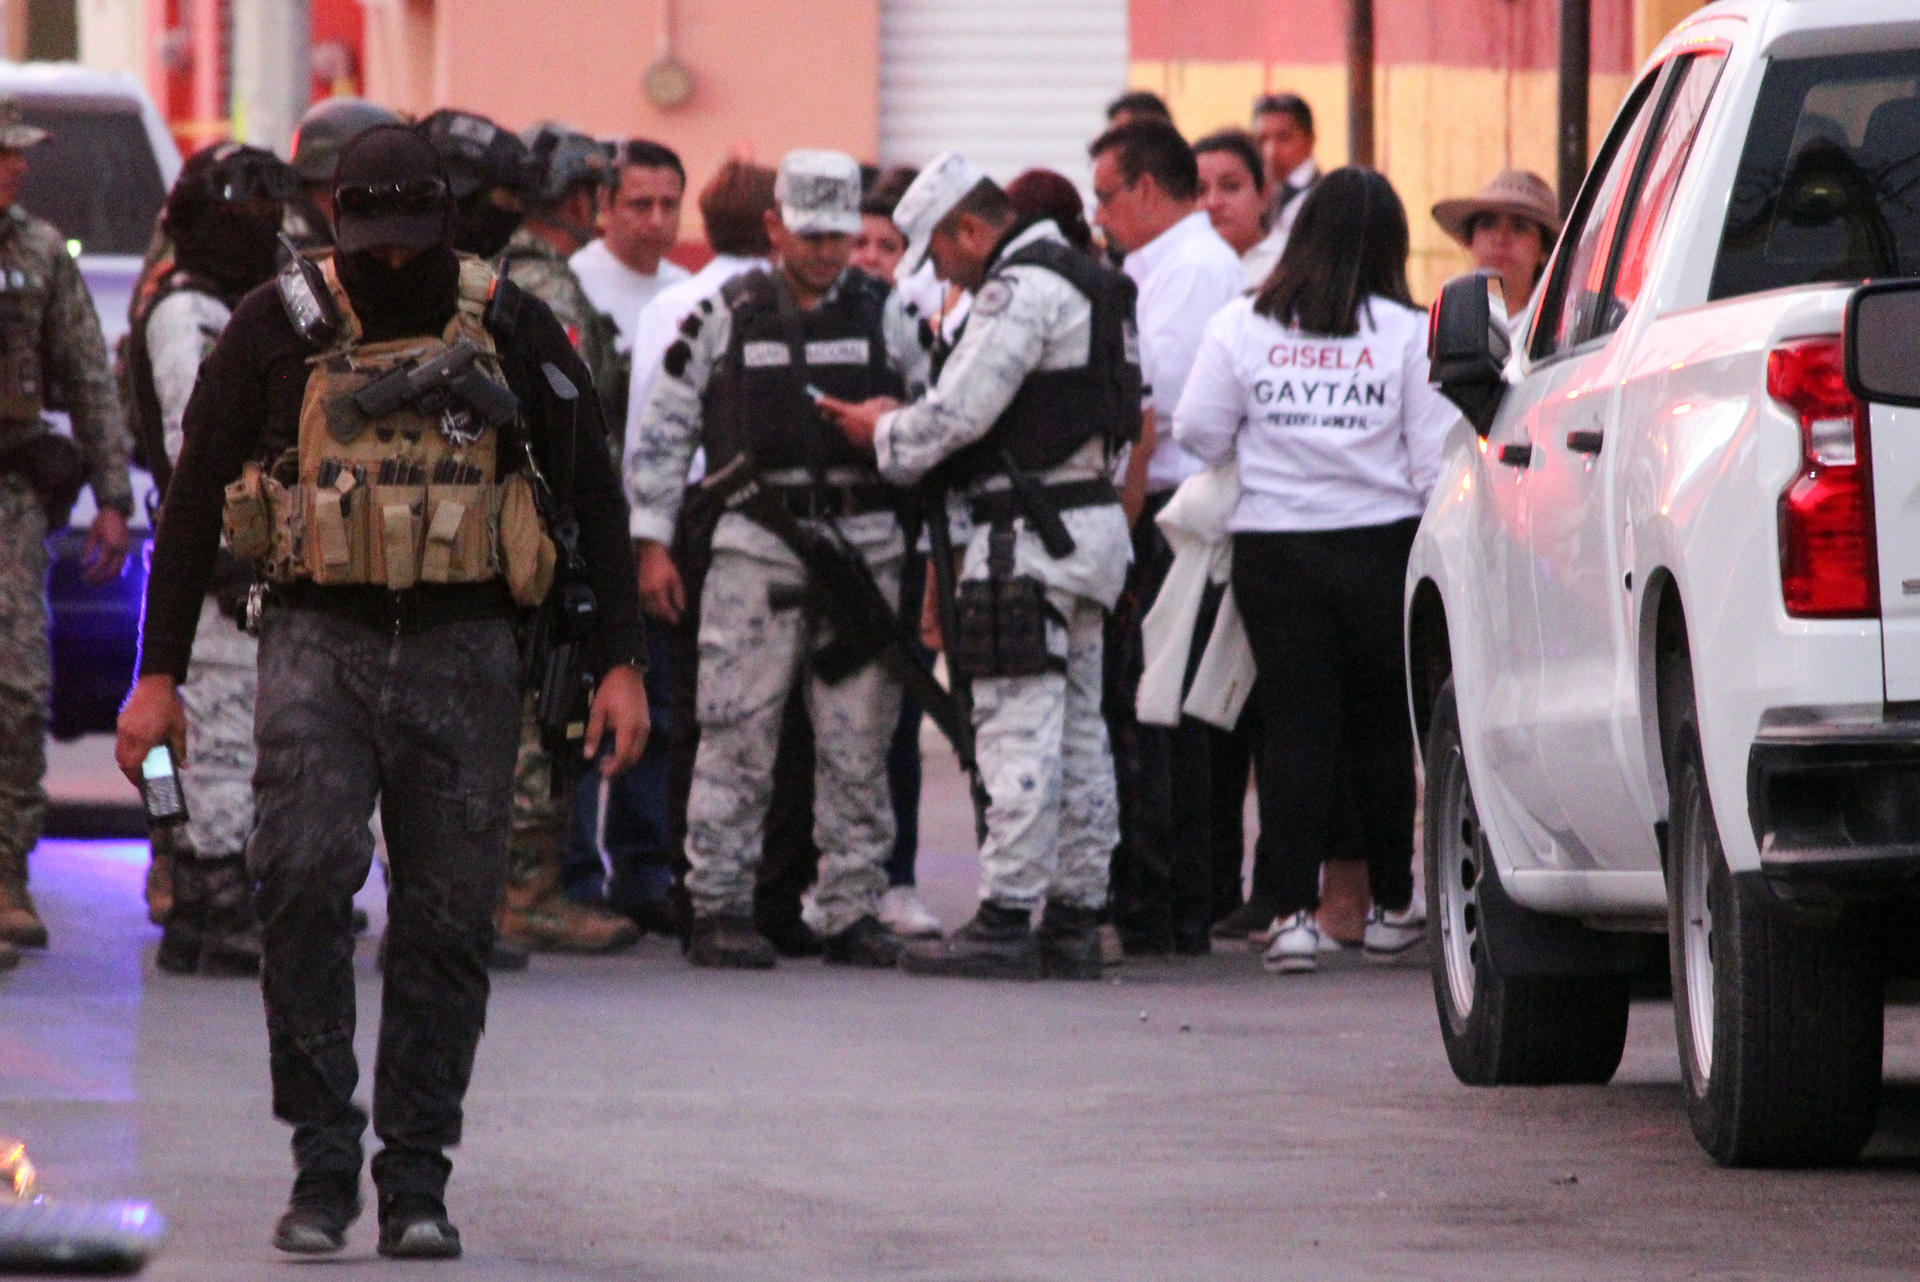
(181, 332)
(1005, 338)
(668, 430)
(76, 358)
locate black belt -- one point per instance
(811, 502)
(1000, 507)
(427, 606)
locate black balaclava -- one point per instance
(418, 297)
(483, 228)
(224, 216)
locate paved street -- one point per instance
(634, 1119)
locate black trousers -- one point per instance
(428, 722)
(1163, 870)
(1335, 773)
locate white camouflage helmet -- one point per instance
(941, 185)
(818, 193)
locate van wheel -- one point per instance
(1499, 1030)
(1779, 1020)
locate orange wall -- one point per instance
(769, 75)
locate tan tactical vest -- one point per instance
(414, 496)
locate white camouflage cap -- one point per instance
(818, 192)
(941, 185)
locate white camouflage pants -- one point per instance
(217, 776)
(750, 656)
(1052, 816)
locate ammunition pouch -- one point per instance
(22, 392)
(1000, 622)
(50, 464)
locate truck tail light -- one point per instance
(1829, 567)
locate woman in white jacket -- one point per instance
(1317, 385)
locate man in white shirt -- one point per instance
(1283, 130)
(639, 223)
(1146, 182)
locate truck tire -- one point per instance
(1779, 1019)
(1499, 1030)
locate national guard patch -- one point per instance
(838, 351)
(993, 297)
(763, 355)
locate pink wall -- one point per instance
(768, 75)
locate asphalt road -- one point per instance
(631, 1118)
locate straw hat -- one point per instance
(1512, 191)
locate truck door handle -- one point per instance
(1516, 455)
(1586, 442)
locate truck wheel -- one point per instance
(1499, 1030)
(1779, 1020)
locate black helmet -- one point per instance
(326, 128)
(478, 154)
(228, 173)
(564, 157)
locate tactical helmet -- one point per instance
(326, 128)
(226, 173)
(564, 157)
(478, 154)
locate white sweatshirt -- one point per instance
(1330, 433)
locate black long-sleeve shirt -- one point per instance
(247, 406)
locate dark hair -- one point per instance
(1139, 102)
(1238, 143)
(1286, 104)
(1348, 244)
(986, 202)
(733, 206)
(644, 153)
(1042, 193)
(886, 189)
(1152, 147)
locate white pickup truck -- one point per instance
(1663, 613)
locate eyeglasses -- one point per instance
(411, 197)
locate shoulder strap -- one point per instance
(350, 330)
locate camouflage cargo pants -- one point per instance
(426, 722)
(1052, 815)
(217, 775)
(26, 677)
(750, 655)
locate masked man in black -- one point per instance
(399, 541)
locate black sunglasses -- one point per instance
(372, 200)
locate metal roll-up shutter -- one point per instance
(1010, 83)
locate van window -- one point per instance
(1829, 182)
(95, 177)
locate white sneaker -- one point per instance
(902, 913)
(1296, 946)
(1390, 934)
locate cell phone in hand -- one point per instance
(816, 394)
(160, 789)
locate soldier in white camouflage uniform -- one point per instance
(738, 380)
(49, 336)
(221, 218)
(1044, 377)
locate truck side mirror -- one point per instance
(1468, 347)
(1882, 337)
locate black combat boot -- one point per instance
(1069, 942)
(729, 943)
(211, 929)
(865, 943)
(323, 1204)
(414, 1226)
(997, 944)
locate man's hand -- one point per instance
(619, 705)
(106, 548)
(1133, 483)
(930, 614)
(858, 423)
(662, 593)
(151, 716)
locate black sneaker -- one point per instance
(997, 944)
(865, 943)
(1069, 939)
(414, 1226)
(789, 936)
(729, 943)
(502, 955)
(1243, 923)
(323, 1204)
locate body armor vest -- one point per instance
(1056, 411)
(758, 398)
(402, 494)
